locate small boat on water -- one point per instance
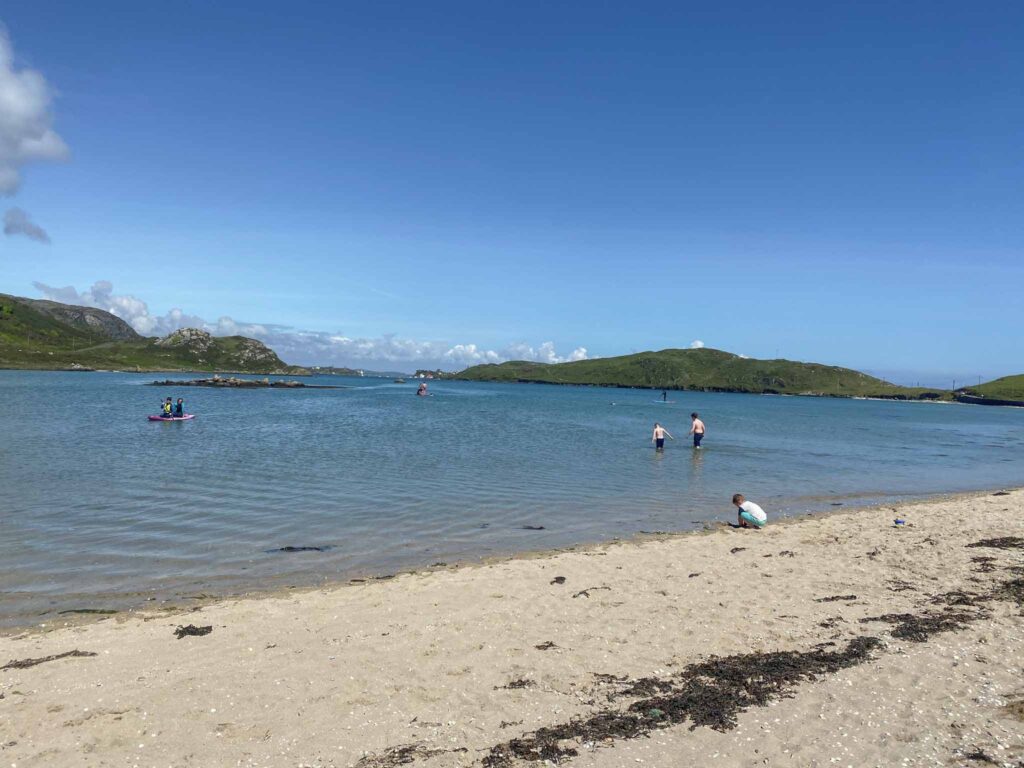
(399, 381)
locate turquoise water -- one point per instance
(100, 508)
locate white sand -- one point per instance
(333, 676)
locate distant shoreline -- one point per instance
(709, 390)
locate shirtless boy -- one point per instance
(696, 429)
(658, 437)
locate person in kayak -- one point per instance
(167, 411)
(179, 408)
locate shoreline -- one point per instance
(709, 391)
(99, 608)
(869, 644)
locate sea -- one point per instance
(103, 510)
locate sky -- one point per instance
(404, 185)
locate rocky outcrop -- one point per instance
(194, 339)
(234, 383)
(229, 353)
(86, 318)
(252, 354)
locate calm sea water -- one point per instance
(100, 508)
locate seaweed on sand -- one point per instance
(1003, 542)
(918, 628)
(586, 592)
(985, 564)
(835, 598)
(1012, 590)
(710, 693)
(515, 684)
(26, 663)
(402, 755)
(191, 630)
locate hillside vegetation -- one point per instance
(48, 335)
(1006, 388)
(702, 369)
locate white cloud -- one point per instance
(545, 353)
(696, 344)
(307, 347)
(26, 133)
(18, 222)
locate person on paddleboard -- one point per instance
(179, 408)
(658, 437)
(167, 409)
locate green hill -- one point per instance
(49, 335)
(1006, 388)
(702, 369)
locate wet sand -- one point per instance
(833, 640)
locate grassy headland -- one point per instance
(1006, 388)
(48, 335)
(708, 370)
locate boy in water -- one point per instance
(658, 437)
(696, 429)
(750, 515)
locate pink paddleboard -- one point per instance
(186, 417)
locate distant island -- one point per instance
(704, 370)
(49, 335)
(711, 370)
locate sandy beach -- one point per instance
(839, 639)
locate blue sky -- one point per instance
(831, 182)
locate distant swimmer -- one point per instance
(658, 437)
(696, 429)
(750, 515)
(422, 391)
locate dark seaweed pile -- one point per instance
(710, 693)
(192, 630)
(1004, 542)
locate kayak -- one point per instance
(186, 417)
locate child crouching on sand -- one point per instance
(750, 515)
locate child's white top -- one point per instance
(754, 511)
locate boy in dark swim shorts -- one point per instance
(658, 436)
(697, 429)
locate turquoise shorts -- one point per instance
(752, 520)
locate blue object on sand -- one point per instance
(899, 521)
